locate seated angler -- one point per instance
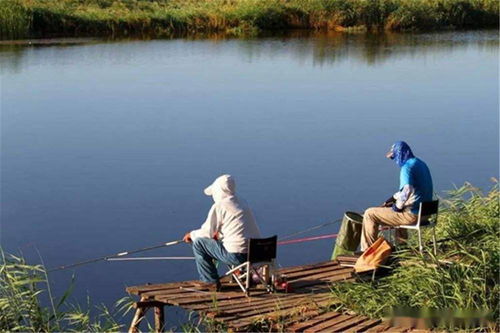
(224, 235)
(402, 208)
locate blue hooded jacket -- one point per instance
(414, 172)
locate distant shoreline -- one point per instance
(23, 19)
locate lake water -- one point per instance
(107, 146)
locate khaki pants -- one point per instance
(376, 216)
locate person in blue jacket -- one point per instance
(415, 186)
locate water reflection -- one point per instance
(304, 47)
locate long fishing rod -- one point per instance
(285, 242)
(150, 258)
(121, 254)
(114, 257)
(307, 239)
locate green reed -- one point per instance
(28, 305)
(42, 18)
(15, 20)
(464, 274)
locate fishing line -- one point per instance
(121, 254)
(150, 258)
(307, 239)
(319, 226)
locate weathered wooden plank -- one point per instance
(193, 299)
(396, 329)
(239, 324)
(284, 309)
(322, 275)
(166, 293)
(345, 257)
(299, 327)
(248, 317)
(379, 328)
(263, 298)
(320, 270)
(288, 270)
(306, 283)
(147, 304)
(230, 302)
(341, 327)
(149, 287)
(322, 326)
(246, 304)
(363, 326)
(186, 291)
(269, 307)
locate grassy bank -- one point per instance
(28, 305)
(48, 18)
(472, 280)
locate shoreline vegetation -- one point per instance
(163, 18)
(463, 276)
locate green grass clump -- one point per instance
(15, 20)
(46, 18)
(470, 220)
(24, 289)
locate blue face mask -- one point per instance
(400, 152)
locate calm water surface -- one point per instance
(107, 146)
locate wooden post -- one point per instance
(159, 319)
(139, 315)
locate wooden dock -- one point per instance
(306, 308)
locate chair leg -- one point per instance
(249, 276)
(434, 240)
(393, 236)
(421, 248)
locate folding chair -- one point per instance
(425, 211)
(261, 251)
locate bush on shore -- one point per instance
(27, 303)
(43, 18)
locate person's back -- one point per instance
(416, 173)
(238, 224)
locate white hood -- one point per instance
(222, 188)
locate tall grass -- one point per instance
(41, 18)
(27, 303)
(470, 219)
(15, 20)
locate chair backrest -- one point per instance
(428, 208)
(262, 249)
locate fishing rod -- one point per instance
(310, 229)
(150, 258)
(109, 257)
(306, 239)
(116, 257)
(285, 242)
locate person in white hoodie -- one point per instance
(224, 235)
